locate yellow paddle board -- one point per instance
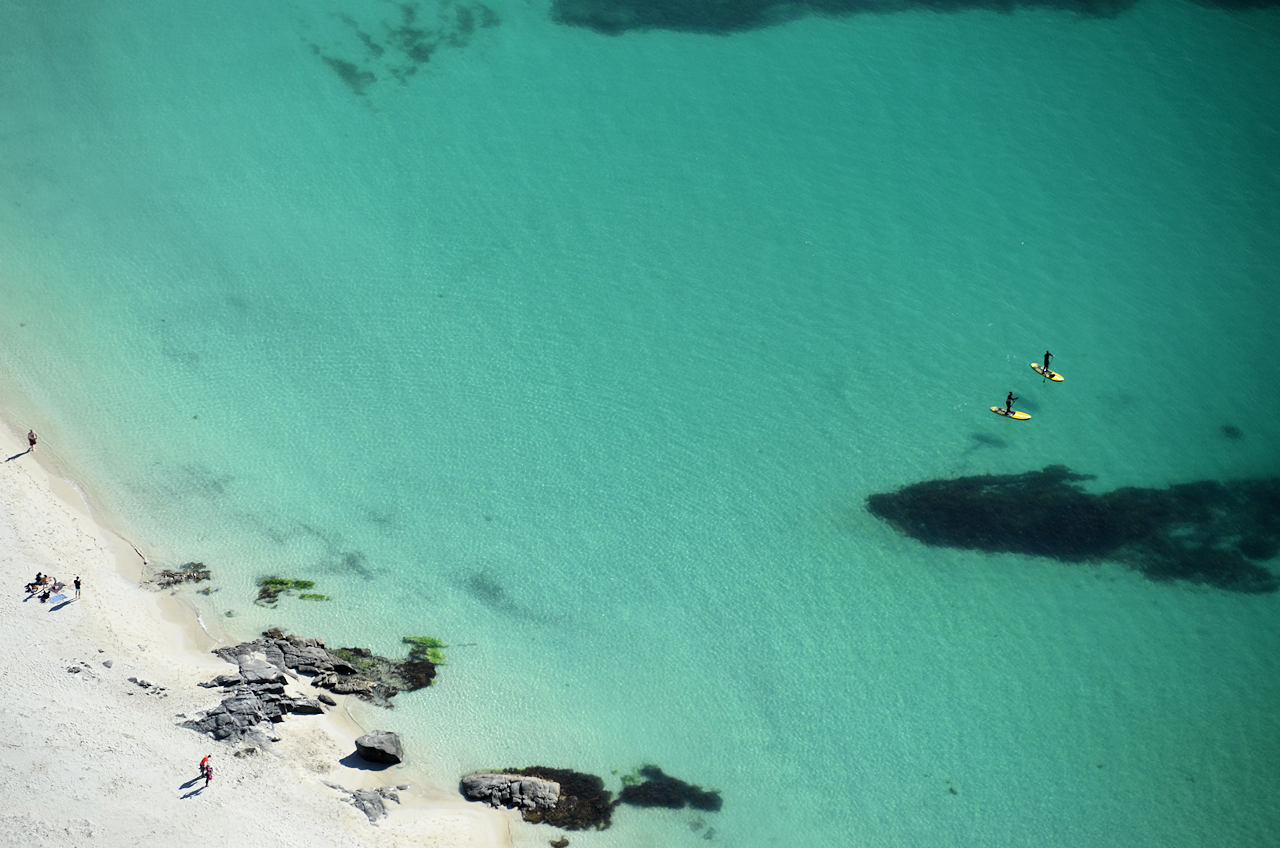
(1021, 416)
(1052, 375)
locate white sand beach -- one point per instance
(92, 758)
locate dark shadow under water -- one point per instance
(728, 16)
(1208, 532)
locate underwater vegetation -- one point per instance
(659, 789)
(584, 802)
(381, 45)
(407, 675)
(425, 648)
(271, 588)
(1209, 532)
(721, 17)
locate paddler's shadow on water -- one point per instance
(984, 440)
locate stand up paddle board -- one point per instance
(1052, 375)
(1019, 415)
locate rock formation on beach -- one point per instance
(511, 790)
(380, 746)
(567, 799)
(575, 801)
(254, 700)
(1210, 532)
(254, 696)
(191, 572)
(344, 671)
(371, 802)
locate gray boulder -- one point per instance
(253, 699)
(380, 746)
(511, 790)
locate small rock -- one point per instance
(305, 706)
(106, 663)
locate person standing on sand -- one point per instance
(77, 587)
(204, 763)
(208, 776)
(31, 440)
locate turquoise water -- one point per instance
(583, 353)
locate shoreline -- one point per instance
(96, 688)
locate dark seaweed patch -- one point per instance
(398, 47)
(727, 16)
(355, 77)
(1204, 532)
(584, 802)
(659, 789)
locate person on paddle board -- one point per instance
(1047, 357)
(1008, 404)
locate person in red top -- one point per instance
(204, 763)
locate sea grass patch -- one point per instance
(426, 648)
(270, 590)
(652, 787)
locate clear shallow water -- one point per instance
(583, 353)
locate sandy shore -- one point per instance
(91, 758)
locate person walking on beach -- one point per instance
(77, 587)
(208, 775)
(204, 764)
(31, 440)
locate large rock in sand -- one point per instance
(380, 746)
(511, 790)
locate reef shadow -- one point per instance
(614, 17)
(1206, 532)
